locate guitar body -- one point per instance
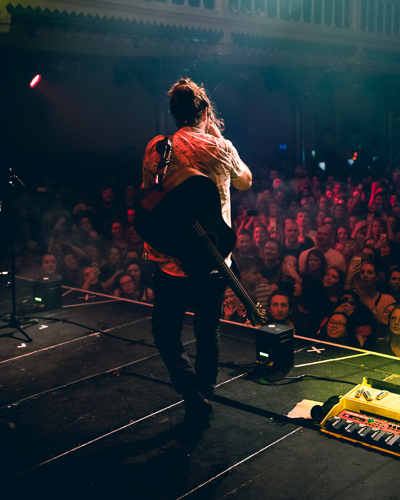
(168, 220)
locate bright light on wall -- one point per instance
(35, 81)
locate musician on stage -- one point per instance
(198, 144)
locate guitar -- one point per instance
(183, 219)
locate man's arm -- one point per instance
(245, 180)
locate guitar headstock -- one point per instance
(257, 316)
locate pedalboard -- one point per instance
(369, 415)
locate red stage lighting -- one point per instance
(35, 81)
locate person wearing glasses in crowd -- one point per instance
(338, 330)
(362, 325)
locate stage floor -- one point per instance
(96, 417)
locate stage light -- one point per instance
(35, 81)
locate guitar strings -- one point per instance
(222, 262)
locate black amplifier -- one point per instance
(274, 345)
(47, 293)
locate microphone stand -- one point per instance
(13, 321)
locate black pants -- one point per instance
(172, 297)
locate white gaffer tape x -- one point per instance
(314, 349)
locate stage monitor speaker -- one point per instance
(274, 345)
(47, 293)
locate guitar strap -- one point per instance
(163, 148)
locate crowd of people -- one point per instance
(319, 254)
(90, 248)
(326, 256)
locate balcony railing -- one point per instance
(373, 16)
(328, 12)
(380, 16)
(374, 24)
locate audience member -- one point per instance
(271, 260)
(90, 279)
(251, 279)
(279, 308)
(304, 222)
(292, 244)
(260, 237)
(130, 214)
(142, 292)
(55, 212)
(125, 287)
(391, 343)
(393, 283)
(111, 269)
(368, 290)
(333, 281)
(49, 267)
(26, 267)
(342, 234)
(359, 233)
(311, 305)
(129, 202)
(362, 319)
(339, 215)
(350, 251)
(321, 217)
(300, 179)
(289, 275)
(94, 255)
(370, 253)
(107, 212)
(117, 236)
(338, 329)
(316, 264)
(376, 227)
(244, 245)
(324, 240)
(71, 271)
(316, 187)
(23, 239)
(86, 230)
(381, 330)
(134, 241)
(324, 203)
(62, 240)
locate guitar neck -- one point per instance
(253, 310)
(236, 285)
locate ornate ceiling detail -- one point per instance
(85, 20)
